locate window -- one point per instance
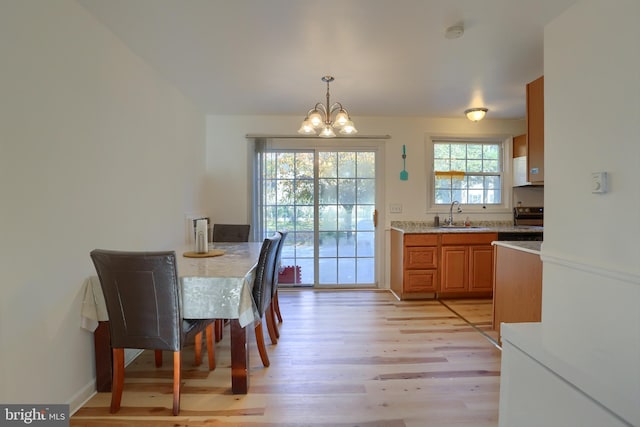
(467, 170)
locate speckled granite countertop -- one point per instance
(531, 247)
(416, 227)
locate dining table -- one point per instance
(216, 286)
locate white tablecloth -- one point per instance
(212, 288)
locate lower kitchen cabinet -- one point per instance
(467, 263)
(455, 268)
(420, 263)
(517, 295)
(420, 281)
(449, 264)
(481, 267)
(414, 264)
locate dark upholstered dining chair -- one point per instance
(228, 233)
(275, 305)
(142, 295)
(262, 289)
(231, 232)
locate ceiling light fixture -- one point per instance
(475, 114)
(454, 32)
(320, 119)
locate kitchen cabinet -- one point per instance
(481, 267)
(517, 292)
(520, 157)
(414, 264)
(427, 265)
(535, 131)
(520, 146)
(528, 149)
(466, 264)
(455, 268)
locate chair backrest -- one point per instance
(263, 284)
(141, 292)
(276, 267)
(231, 232)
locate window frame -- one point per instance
(505, 143)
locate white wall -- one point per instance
(227, 156)
(590, 332)
(96, 150)
(591, 295)
(229, 162)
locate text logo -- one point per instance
(36, 415)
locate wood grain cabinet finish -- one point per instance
(455, 269)
(448, 264)
(535, 131)
(414, 264)
(481, 268)
(467, 263)
(517, 293)
(420, 263)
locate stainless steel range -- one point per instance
(528, 216)
(527, 222)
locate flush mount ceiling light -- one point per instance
(475, 114)
(321, 121)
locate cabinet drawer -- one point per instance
(469, 238)
(420, 257)
(420, 281)
(421, 239)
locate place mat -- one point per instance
(211, 253)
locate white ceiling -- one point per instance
(389, 57)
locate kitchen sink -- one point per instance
(460, 226)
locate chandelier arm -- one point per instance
(320, 106)
(336, 106)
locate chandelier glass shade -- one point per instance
(325, 119)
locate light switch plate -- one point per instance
(395, 208)
(599, 182)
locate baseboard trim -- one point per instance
(79, 399)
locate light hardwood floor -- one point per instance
(344, 358)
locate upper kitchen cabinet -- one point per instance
(535, 131)
(520, 158)
(528, 149)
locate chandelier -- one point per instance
(321, 121)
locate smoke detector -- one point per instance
(454, 32)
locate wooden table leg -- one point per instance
(103, 356)
(239, 358)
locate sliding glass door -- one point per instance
(326, 200)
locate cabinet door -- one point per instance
(420, 281)
(535, 130)
(520, 146)
(481, 268)
(454, 269)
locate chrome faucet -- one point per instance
(455, 202)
